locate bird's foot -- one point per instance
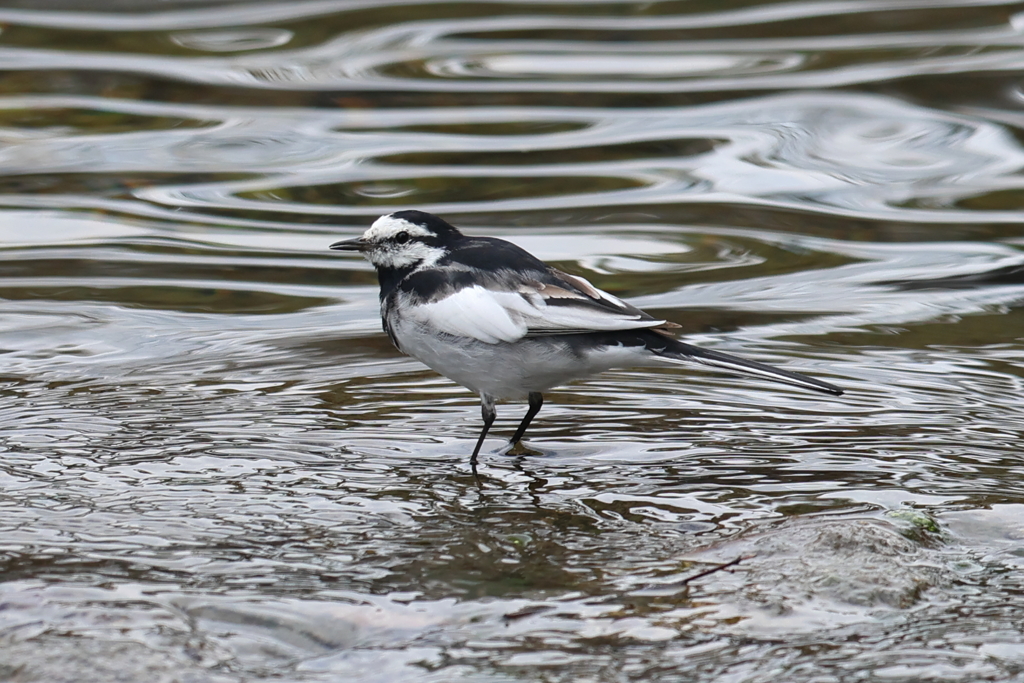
(518, 448)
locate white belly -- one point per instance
(511, 370)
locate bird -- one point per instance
(492, 317)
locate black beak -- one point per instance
(357, 244)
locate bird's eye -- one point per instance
(402, 237)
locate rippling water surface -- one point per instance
(214, 467)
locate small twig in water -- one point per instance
(713, 570)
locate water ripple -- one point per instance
(215, 467)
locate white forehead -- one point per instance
(389, 226)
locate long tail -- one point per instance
(677, 350)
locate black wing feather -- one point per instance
(502, 266)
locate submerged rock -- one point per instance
(805, 575)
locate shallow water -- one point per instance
(214, 467)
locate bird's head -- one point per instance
(403, 240)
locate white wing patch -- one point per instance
(492, 317)
(475, 312)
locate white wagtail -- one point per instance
(497, 320)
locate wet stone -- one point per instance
(805, 573)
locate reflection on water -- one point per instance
(214, 467)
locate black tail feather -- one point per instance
(677, 350)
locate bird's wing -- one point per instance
(509, 308)
(569, 304)
(474, 312)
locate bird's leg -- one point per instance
(489, 413)
(536, 401)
